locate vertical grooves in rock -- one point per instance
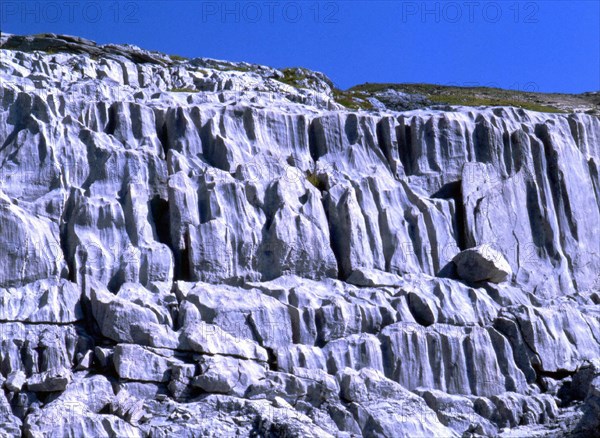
(333, 242)
(159, 212)
(163, 137)
(484, 140)
(313, 146)
(181, 257)
(63, 238)
(405, 140)
(384, 140)
(595, 180)
(112, 119)
(461, 219)
(453, 191)
(558, 193)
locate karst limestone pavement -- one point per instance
(200, 248)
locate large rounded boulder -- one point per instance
(482, 263)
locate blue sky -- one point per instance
(550, 46)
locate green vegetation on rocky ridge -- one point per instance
(487, 96)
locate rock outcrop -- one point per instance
(197, 248)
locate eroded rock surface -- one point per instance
(198, 248)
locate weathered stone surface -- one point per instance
(127, 407)
(373, 278)
(457, 360)
(381, 405)
(77, 412)
(43, 301)
(227, 375)
(589, 425)
(211, 339)
(244, 314)
(122, 320)
(50, 381)
(557, 338)
(15, 381)
(9, 422)
(35, 348)
(133, 362)
(25, 237)
(458, 412)
(198, 248)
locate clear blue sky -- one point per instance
(551, 46)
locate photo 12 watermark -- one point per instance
(270, 12)
(469, 12)
(29, 12)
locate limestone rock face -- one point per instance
(198, 248)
